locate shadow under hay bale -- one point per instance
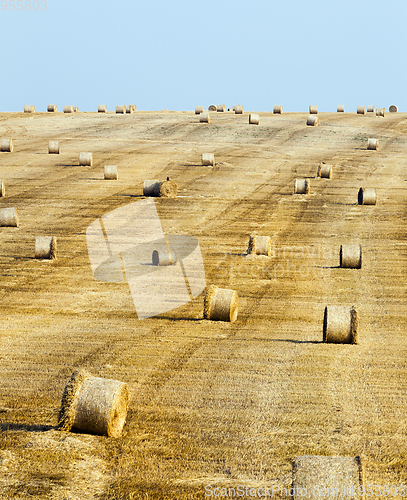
(254, 118)
(322, 477)
(46, 247)
(367, 196)
(278, 109)
(95, 405)
(373, 144)
(86, 159)
(340, 325)
(312, 121)
(53, 147)
(6, 145)
(110, 172)
(51, 108)
(208, 159)
(324, 171)
(221, 304)
(350, 256)
(301, 186)
(204, 118)
(102, 108)
(9, 217)
(199, 110)
(259, 245)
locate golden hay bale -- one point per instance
(208, 159)
(51, 108)
(372, 144)
(367, 196)
(28, 108)
(259, 245)
(301, 186)
(93, 404)
(324, 171)
(327, 478)
(254, 118)
(45, 247)
(68, 109)
(167, 189)
(238, 109)
(121, 110)
(340, 108)
(150, 187)
(164, 258)
(312, 121)
(111, 172)
(204, 118)
(76, 109)
(361, 110)
(221, 304)
(199, 110)
(2, 189)
(86, 159)
(393, 109)
(370, 109)
(212, 107)
(129, 109)
(102, 108)
(350, 256)
(220, 108)
(278, 109)
(9, 217)
(340, 325)
(313, 110)
(53, 147)
(380, 111)
(6, 145)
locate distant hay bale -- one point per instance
(350, 256)
(93, 404)
(327, 478)
(111, 172)
(301, 186)
(51, 108)
(340, 325)
(238, 109)
(75, 109)
(2, 189)
(208, 159)
(393, 108)
(68, 109)
(28, 108)
(370, 109)
(367, 196)
(102, 108)
(53, 147)
(372, 144)
(221, 304)
(380, 111)
(6, 145)
(121, 110)
(259, 245)
(361, 110)
(135, 108)
(129, 109)
(199, 110)
(340, 108)
(164, 258)
(324, 171)
(9, 217)
(86, 159)
(212, 107)
(254, 118)
(45, 247)
(220, 108)
(312, 121)
(313, 110)
(278, 109)
(204, 118)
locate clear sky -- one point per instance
(180, 54)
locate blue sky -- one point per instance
(179, 54)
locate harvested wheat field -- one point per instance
(212, 404)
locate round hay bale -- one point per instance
(51, 108)
(238, 109)
(199, 110)
(212, 107)
(350, 256)
(86, 159)
(367, 196)
(2, 189)
(111, 172)
(393, 108)
(163, 257)
(301, 186)
(340, 108)
(221, 304)
(380, 111)
(68, 109)
(259, 245)
(312, 121)
(361, 110)
(340, 325)
(9, 217)
(278, 109)
(313, 110)
(45, 247)
(28, 108)
(204, 118)
(150, 187)
(370, 109)
(121, 110)
(53, 147)
(129, 109)
(102, 108)
(6, 145)
(208, 159)
(167, 189)
(324, 171)
(75, 109)
(372, 144)
(220, 108)
(254, 118)
(93, 404)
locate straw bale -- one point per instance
(393, 109)
(102, 108)
(367, 196)
(301, 186)
(45, 247)
(312, 121)
(350, 256)
(9, 217)
(340, 325)
(313, 110)
(221, 304)
(324, 171)
(28, 108)
(373, 144)
(204, 118)
(199, 110)
(361, 110)
(278, 109)
(53, 147)
(340, 108)
(86, 159)
(254, 118)
(212, 107)
(6, 145)
(68, 109)
(208, 159)
(259, 245)
(150, 187)
(51, 108)
(111, 172)
(370, 109)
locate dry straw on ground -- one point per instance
(204, 118)
(212, 107)
(6, 145)
(312, 120)
(121, 109)
(278, 109)
(220, 108)
(313, 110)
(221, 304)
(324, 171)
(9, 217)
(85, 159)
(340, 108)
(259, 245)
(102, 108)
(51, 108)
(367, 196)
(53, 147)
(199, 110)
(111, 172)
(361, 110)
(208, 159)
(2, 189)
(68, 109)
(254, 118)
(301, 186)
(28, 108)
(350, 256)
(164, 258)
(45, 247)
(370, 109)
(93, 404)
(393, 108)
(373, 144)
(340, 325)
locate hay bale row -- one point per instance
(221, 304)
(163, 189)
